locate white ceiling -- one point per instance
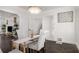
(44, 8)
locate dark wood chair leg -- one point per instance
(38, 51)
(29, 50)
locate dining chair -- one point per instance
(19, 34)
(22, 44)
(39, 44)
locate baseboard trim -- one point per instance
(63, 41)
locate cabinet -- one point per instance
(6, 43)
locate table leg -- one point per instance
(24, 50)
(27, 49)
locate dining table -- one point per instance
(26, 41)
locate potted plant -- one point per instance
(15, 27)
(3, 28)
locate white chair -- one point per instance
(20, 38)
(38, 45)
(19, 34)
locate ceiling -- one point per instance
(44, 8)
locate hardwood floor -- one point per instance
(52, 47)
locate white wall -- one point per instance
(66, 31)
(77, 27)
(47, 25)
(7, 16)
(35, 23)
(23, 18)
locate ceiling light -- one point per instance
(34, 10)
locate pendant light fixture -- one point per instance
(34, 10)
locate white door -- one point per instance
(47, 26)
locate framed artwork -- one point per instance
(65, 17)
